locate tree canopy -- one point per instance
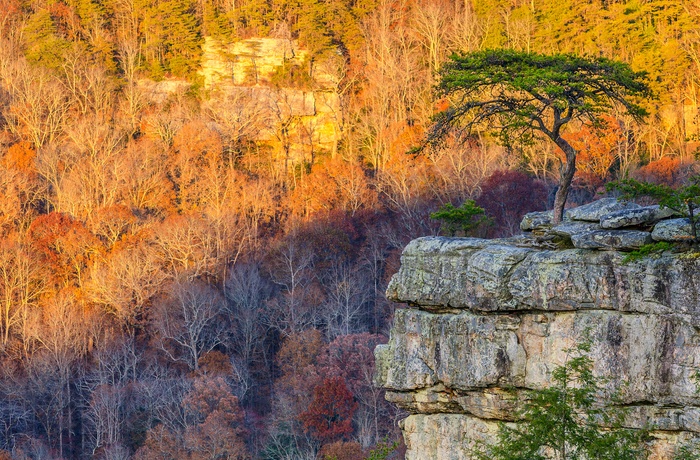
(521, 95)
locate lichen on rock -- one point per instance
(490, 319)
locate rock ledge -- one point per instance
(486, 316)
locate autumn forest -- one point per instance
(195, 238)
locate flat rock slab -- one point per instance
(638, 216)
(534, 220)
(674, 230)
(453, 274)
(568, 229)
(611, 239)
(592, 212)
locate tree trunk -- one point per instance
(567, 171)
(693, 225)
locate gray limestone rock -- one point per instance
(570, 279)
(569, 229)
(444, 436)
(611, 239)
(437, 268)
(462, 351)
(491, 320)
(449, 273)
(437, 436)
(645, 357)
(636, 216)
(592, 212)
(457, 274)
(674, 230)
(535, 220)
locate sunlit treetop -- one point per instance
(523, 92)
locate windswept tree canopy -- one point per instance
(521, 95)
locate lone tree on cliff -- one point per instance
(522, 95)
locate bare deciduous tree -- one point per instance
(20, 287)
(247, 292)
(348, 289)
(39, 105)
(189, 322)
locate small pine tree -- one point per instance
(464, 219)
(563, 422)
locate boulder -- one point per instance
(592, 212)
(624, 240)
(568, 229)
(637, 216)
(674, 230)
(536, 220)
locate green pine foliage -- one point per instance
(463, 219)
(649, 35)
(171, 38)
(564, 421)
(44, 46)
(689, 451)
(520, 96)
(383, 450)
(647, 250)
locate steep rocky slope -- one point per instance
(485, 316)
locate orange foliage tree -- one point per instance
(598, 150)
(666, 170)
(334, 184)
(64, 245)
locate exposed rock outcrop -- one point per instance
(610, 224)
(244, 70)
(487, 316)
(640, 216)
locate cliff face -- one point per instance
(297, 123)
(295, 119)
(486, 315)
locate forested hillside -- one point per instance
(177, 281)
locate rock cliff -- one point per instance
(487, 319)
(243, 71)
(296, 122)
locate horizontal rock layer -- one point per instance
(609, 224)
(440, 273)
(489, 320)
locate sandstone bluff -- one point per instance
(485, 316)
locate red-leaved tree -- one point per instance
(507, 196)
(329, 417)
(64, 245)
